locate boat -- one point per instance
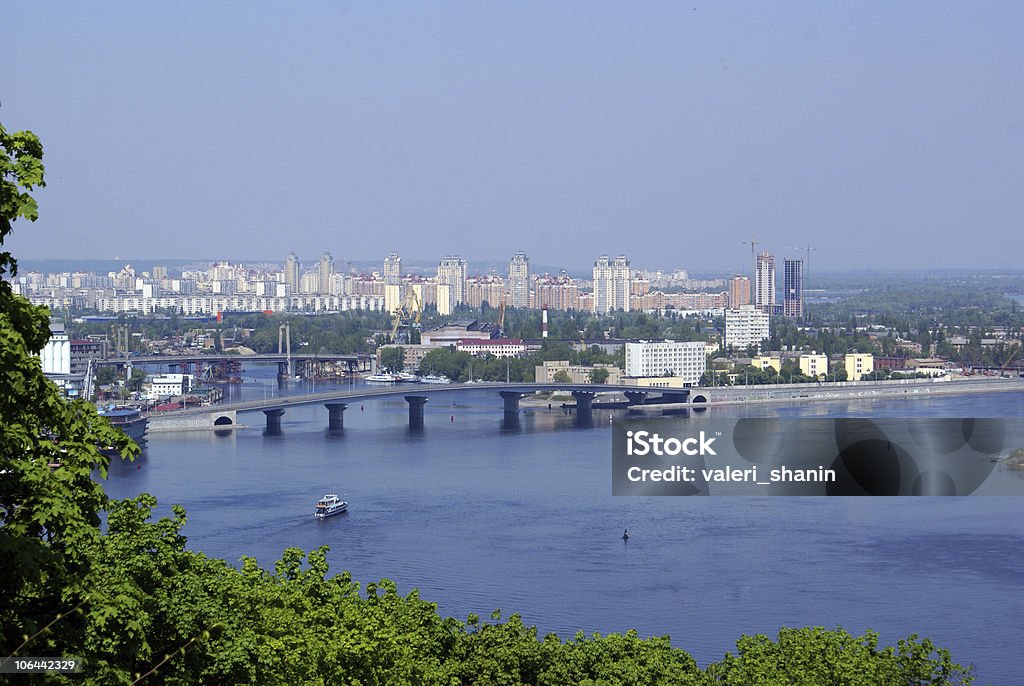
(435, 379)
(329, 505)
(408, 377)
(129, 420)
(381, 378)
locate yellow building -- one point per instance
(577, 373)
(444, 299)
(766, 361)
(392, 297)
(814, 365)
(859, 365)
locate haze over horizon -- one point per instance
(885, 136)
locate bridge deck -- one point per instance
(402, 390)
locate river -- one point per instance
(479, 518)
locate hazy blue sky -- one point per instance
(884, 134)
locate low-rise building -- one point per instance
(170, 385)
(814, 365)
(451, 333)
(577, 373)
(657, 382)
(767, 362)
(859, 365)
(498, 347)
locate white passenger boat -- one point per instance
(381, 378)
(329, 505)
(408, 377)
(435, 379)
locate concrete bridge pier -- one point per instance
(635, 397)
(669, 397)
(416, 403)
(336, 416)
(273, 421)
(584, 407)
(511, 399)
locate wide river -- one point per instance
(479, 518)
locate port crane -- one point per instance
(407, 317)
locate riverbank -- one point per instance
(789, 393)
(784, 393)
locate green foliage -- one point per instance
(21, 171)
(393, 358)
(562, 376)
(813, 655)
(50, 514)
(106, 374)
(598, 375)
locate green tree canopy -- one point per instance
(49, 514)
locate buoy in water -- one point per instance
(625, 535)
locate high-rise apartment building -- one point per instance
(739, 291)
(745, 326)
(611, 284)
(326, 271)
(519, 280)
(793, 285)
(292, 272)
(764, 282)
(393, 270)
(556, 293)
(488, 289)
(451, 272)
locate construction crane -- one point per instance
(753, 252)
(1014, 351)
(407, 317)
(807, 261)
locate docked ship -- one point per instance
(130, 421)
(381, 378)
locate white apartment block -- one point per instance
(685, 359)
(745, 326)
(189, 305)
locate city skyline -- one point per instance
(882, 135)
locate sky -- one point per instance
(886, 135)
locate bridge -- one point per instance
(224, 416)
(307, 364)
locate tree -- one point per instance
(106, 374)
(137, 377)
(50, 515)
(598, 375)
(392, 358)
(839, 372)
(562, 376)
